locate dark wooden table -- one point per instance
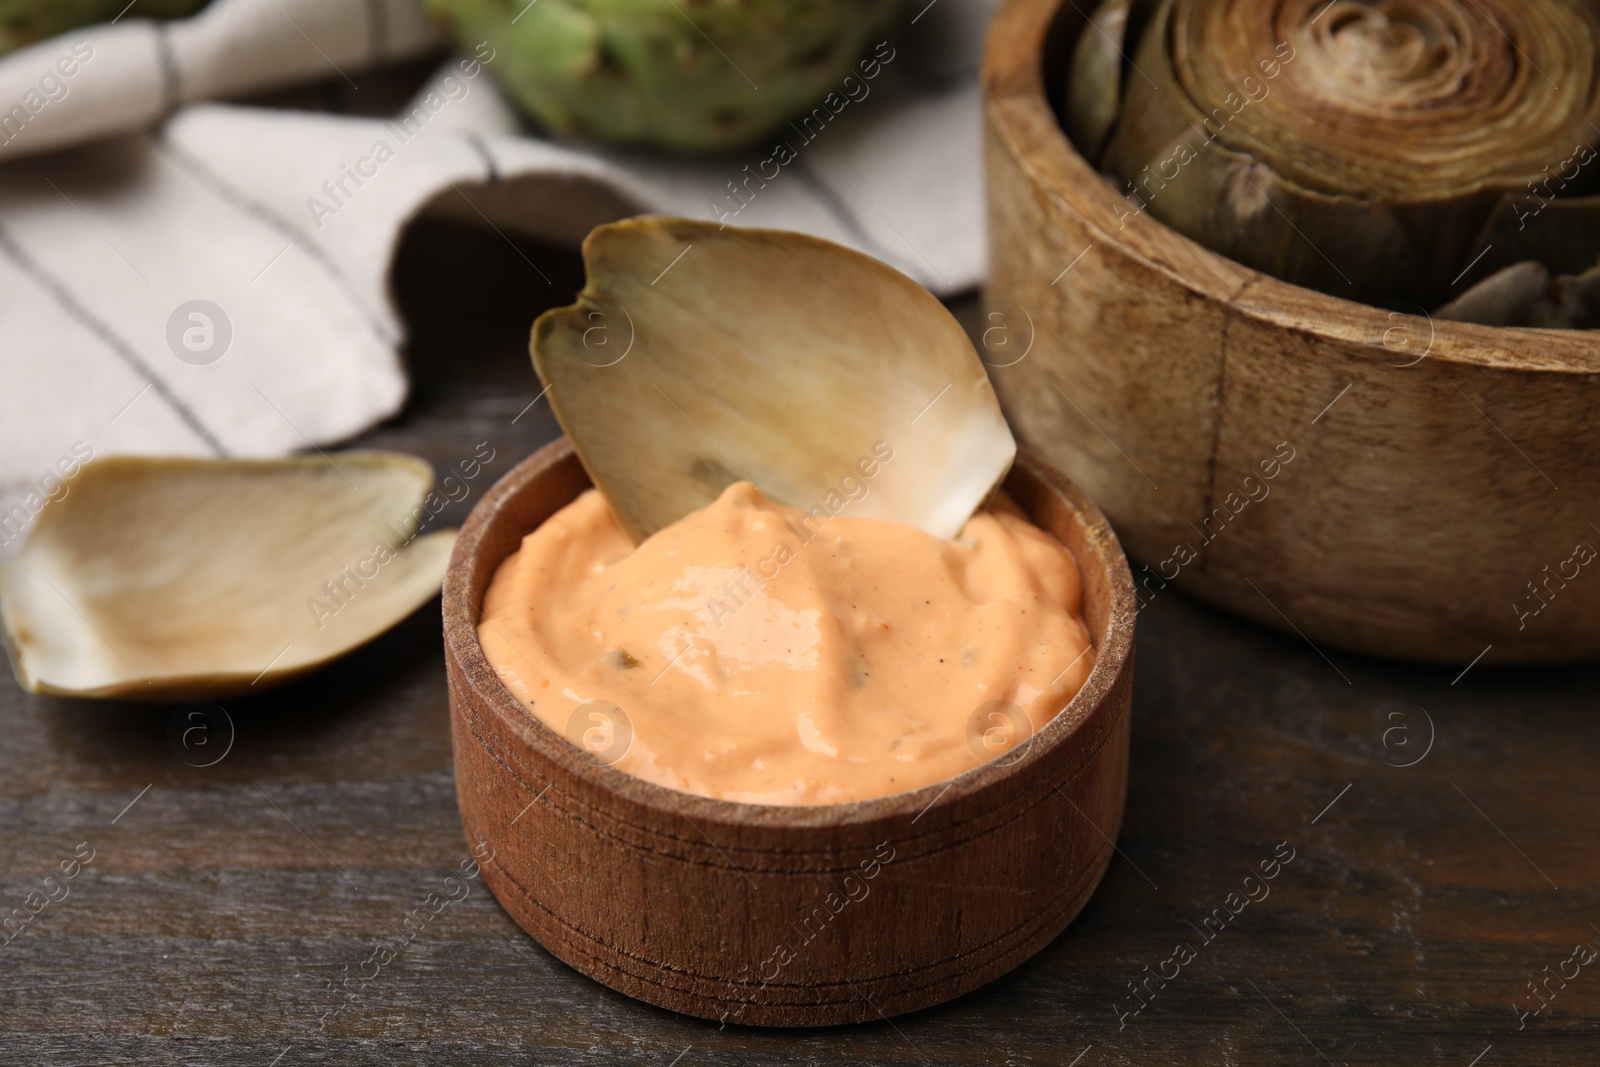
(228, 910)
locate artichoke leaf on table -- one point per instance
(165, 578)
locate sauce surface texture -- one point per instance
(752, 652)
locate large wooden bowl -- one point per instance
(1455, 463)
(788, 916)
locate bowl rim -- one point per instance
(1113, 654)
(1018, 109)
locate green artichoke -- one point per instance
(1387, 151)
(23, 22)
(687, 75)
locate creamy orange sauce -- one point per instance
(753, 653)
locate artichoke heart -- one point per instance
(160, 578)
(698, 356)
(1387, 151)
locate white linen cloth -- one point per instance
(209, 279)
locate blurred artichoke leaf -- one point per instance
(1527, 294)
(1094, 84)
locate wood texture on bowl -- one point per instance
(1439, 467)
(788, 916)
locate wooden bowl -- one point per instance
(1422, 498)
(788, 916)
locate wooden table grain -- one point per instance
(1432, 833)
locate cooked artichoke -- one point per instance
(1381, 150)
(688, 75)
(22, 22)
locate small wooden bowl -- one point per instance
(788, 916)
(1422, 498)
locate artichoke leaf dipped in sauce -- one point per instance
(778, 591)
